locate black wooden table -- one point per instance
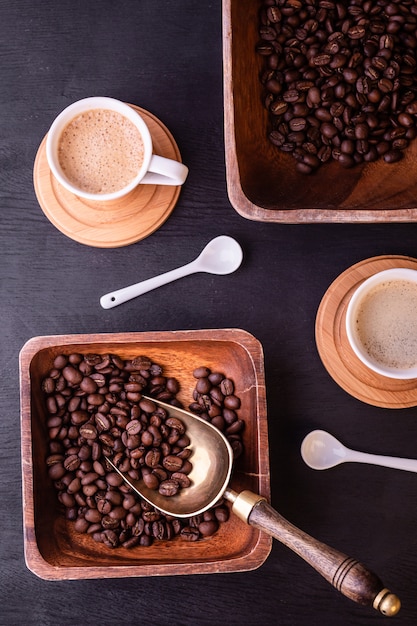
(166, 57)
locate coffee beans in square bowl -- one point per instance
(339, 79)
(95, 408)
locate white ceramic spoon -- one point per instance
(320, 451)
(222, 255)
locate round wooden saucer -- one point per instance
(334, 349)
(109, 224)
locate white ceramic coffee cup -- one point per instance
(155, 170)
(391, 348)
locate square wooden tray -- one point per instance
(262, 182)
(52, 549)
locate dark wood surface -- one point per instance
(166, 57)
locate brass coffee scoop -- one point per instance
(212, 461)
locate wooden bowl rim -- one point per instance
(261, 544)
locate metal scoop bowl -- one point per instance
(212, 461)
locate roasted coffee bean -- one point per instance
(88, 385)
(146, 438)
(201, 372)
(114, 479)
(72, 462)
(89, 478)
(129, 501)
(74, 486)
(182, 479)
(153, 457)
(208, 528)
(176, 424)
(114, 496)
(88, 431)
(131, 542)
(151, 481)
(54, 458)
(72, 375)
(103, 506)
(93, 515)
(392, 156)
(95, 399)
(90, 490)
(48, 385)
(172, 463)
(110, 538)
(51, 405)
(57, 471)
(298, 124)
(60, 361)
(158, 530)
(203, 385)
(160, 473)
(217, 396)
(118, 513)
(232, 402)
(147, 405)
(221, 513)
(216, 379)
(103, 421)
(189, 533)
(81, 525)
(227, 387)
(186, 467)
(237, 427)
(169, 487)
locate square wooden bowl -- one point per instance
(53, 550)
(262, 182)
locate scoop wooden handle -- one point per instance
(351, 578)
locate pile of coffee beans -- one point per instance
(216, 402)
(95, 408)
(340, 79)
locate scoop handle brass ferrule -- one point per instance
(347, 575)
(242, 503)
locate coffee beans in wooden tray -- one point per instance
(325, 88)
(95, 409)
(69, 491)
(339, 80)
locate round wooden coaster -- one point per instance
(109, 224)
(334, 349)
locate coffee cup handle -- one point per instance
(163, 171)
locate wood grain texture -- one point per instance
(346, 574)
(116, 223)
(263, 184)
(334, 349)
(53, 549)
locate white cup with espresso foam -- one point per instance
(381, 323)
(100, 149)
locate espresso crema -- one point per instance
(387, 324)
(100, 151)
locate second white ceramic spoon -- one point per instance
(320, 451)
(222, 255)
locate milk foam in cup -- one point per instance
(100, 149)
(381, 323)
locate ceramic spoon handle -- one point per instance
(347, 575)
(114, 298)
(408, 465)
